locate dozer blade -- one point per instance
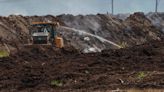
(36, 45)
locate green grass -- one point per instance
(123, 44)
(4, 54)
(141, 75)
(56, 83)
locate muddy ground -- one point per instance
(44, 69)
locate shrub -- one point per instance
(141, 75)
(4, 54)
(123, 44)
(57, 83)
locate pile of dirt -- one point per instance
(132, 30)
(135, 29)
(157, 20)
(142, 29)
(48, 70)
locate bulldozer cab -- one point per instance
(42, 33)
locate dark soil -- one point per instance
(40, 69)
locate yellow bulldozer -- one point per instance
(45, 33)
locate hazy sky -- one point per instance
(56, 7)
